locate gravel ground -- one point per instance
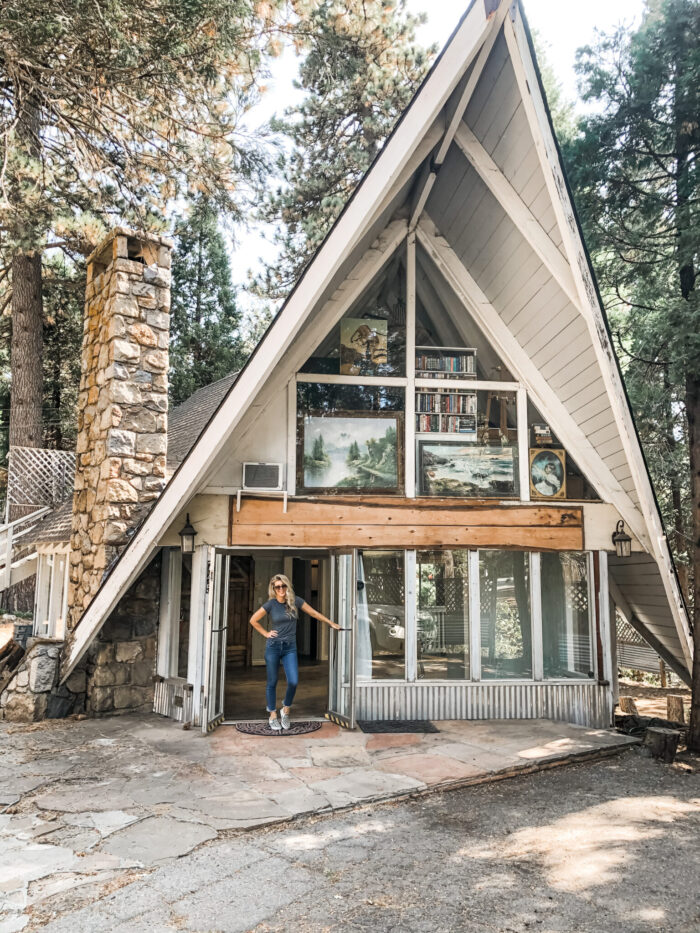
(602, 847)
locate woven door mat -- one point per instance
(262, 728)
(396, 726)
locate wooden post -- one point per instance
(674, 709)
(628, 706)
(662, 672)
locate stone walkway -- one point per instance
(96, 804)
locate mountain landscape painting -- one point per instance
(346, 451)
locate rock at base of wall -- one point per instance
(25, 707)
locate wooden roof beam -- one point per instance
(517, 210)
(538, 120)
(523, 369)
(486, 41)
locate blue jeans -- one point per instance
(286, 652)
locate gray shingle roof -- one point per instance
(55, 527)
(185, 423)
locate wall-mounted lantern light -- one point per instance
(622, 541)
(187, 537)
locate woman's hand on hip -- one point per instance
(271, 634)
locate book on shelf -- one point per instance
(542, 434)
(446, 361)
(458, 403)
(446, 424)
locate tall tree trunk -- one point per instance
(693, 410)
(26, 350)
(680, 547)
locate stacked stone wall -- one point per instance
(34, 692)
(122, 405)
(121, 662)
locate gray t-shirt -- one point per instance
(281, 620)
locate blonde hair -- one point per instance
(290, 597)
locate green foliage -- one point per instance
(64, 294)
(205, 331)
(353, 453)
(361, 68)
(115, 108)
(635, 170)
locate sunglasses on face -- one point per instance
(280, 586)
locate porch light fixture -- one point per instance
(187, 537)
(622, 541)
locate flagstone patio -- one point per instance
(98, 802)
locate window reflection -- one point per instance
(380, 615)
(566, 635)
(442, 588)
(506, 626)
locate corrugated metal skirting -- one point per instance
(173, 698)
(585, 704)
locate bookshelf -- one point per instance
(446, 411)
(445, 362)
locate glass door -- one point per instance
(215, 644)
(341, 687)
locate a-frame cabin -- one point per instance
(432, 440)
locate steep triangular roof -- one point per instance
(472, 170)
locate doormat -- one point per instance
(262, 728)
(395, 726)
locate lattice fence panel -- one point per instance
(39, 477)
(626, 635)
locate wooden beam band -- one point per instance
(407, 512)
(421, 536)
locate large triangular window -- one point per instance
(370, 338)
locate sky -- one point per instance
(562, 25)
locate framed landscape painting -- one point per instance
(350, 451)
(449, 468)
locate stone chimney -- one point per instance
(122, 405)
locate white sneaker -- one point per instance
(285, 720)
(274, 724)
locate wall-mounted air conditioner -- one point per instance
(258, 477)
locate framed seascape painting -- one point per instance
(363, 346)
(449, 468)
(548, 474)
(350, 451)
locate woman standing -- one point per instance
(283, 609)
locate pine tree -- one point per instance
(205, 336)
(360, 69)
(108, 111)
(64, 296)
(636, 172)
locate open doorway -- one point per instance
(249, 575)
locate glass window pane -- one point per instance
(506, 628)
(370, 339)
(350, 439)
(380, 615)
(442, 587)
(553, 474)
(183, 645)
(566, 623)
(443, 321)
(467, 443)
